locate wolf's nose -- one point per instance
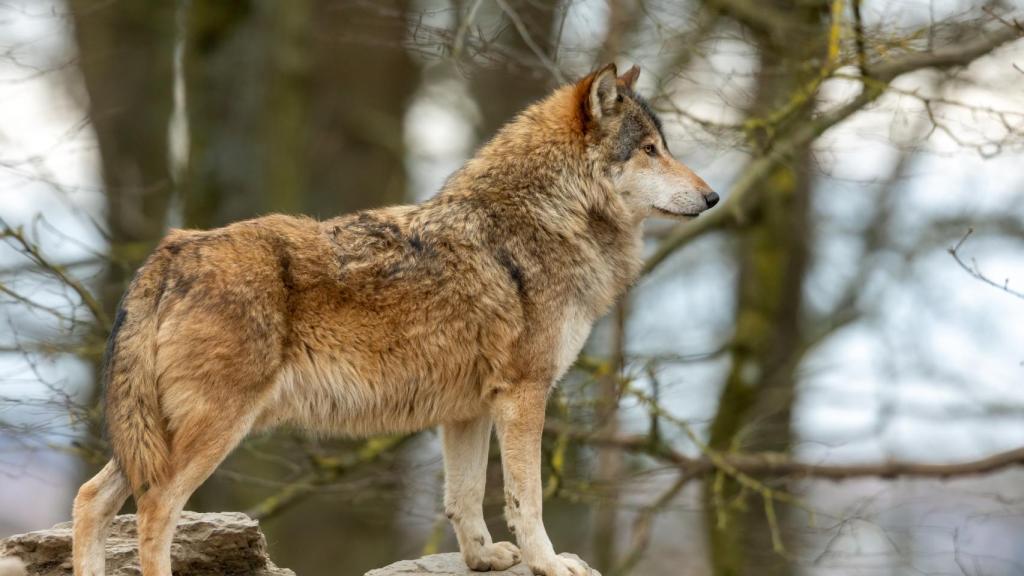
(711, 199)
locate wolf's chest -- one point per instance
(575, 329)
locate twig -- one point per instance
(858, 34)
(57, 270)
(760, 16)
(641, 536)
(460, 35)
(973, 270)
(530, 43)
(327, 471)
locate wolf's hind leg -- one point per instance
(200, 445)
(465, 471)
(97, 502)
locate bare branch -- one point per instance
(326, 471)
(641, 536)
(973, 270)
(460, 35)
(858, 33)
(759, 16)
(743, 196)
(780, 465)
(529, 41)
(947, 56)
(33, 252)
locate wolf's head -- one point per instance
(625, 133)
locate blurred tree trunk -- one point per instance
(363, 82)
(623, 19)
(286, 117)
(756, 401)
(225, 68)
(247, 74)
(125, 58)
(520, 77)
(504, 81)
(297, 107)
(609, 461)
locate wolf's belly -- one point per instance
(335, 396)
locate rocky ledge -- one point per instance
(221, 544)
(449, 565)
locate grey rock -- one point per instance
(213, 544)
(219, 544)
(11, 567)
(450, 564)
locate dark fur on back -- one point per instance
(115, 329)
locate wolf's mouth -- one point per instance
(676, 215)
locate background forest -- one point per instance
(822, 375)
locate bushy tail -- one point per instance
(135, 423)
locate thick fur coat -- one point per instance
(460, 311)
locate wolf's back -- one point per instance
(135, 423)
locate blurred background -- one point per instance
(823, 375)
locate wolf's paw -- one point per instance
(497, 556)
(561, 565)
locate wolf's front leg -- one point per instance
(519, 415)
(466, 445)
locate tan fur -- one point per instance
(458, 311)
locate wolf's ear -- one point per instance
(628, 78)
(602, 93)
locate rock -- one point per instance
(220, 544)
(450, 565)
(11, 567)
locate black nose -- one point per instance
(711, 199)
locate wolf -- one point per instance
(462, 311)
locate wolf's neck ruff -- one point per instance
(544, 189)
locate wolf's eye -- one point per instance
(651, 150)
